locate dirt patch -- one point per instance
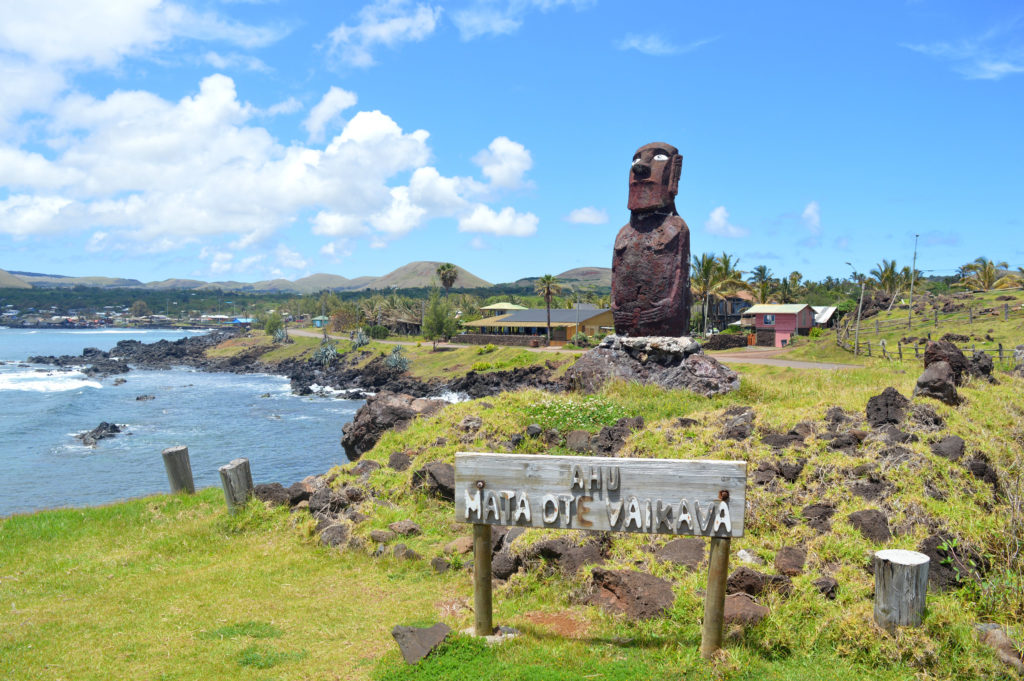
(563, 623)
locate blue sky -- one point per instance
(252, 140)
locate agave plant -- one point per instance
(281, 336)
(360, 339)
(397, 359)
(326, 354)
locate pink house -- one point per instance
(775, 325)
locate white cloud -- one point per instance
(506, 223)
(588, 215)
(287, 106)
(235, 60)
(23, 214)
(656, 46)
(812, 217)
(333, 103)
(990, 56)
(289, 258)
(719, 225)
(488, 17)
(154, 175)
(332, 224)
(504, 162)
(99, 33)
(384, 22)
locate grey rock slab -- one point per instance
(418, 642)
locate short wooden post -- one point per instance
(1000, 352)
(936, 317)
(714, 601)
(901, 585)
(899, 346)
(482, 604)
(179, 470)
(876, 326)
(236, 478)
(869, 348)
(970, 315)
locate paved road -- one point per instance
(767, 356)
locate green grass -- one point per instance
(174, 588)
(986, 332)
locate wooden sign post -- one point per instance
(653, 496)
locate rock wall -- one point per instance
(501, 339)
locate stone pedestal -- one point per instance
(672, 362)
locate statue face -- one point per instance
(654, 177)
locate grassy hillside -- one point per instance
(598, 277)
(969, 320)
(173, 588)
(8, 280)
(422, 274)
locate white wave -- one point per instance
(451, 397)
(49, 382)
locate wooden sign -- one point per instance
(655, 496)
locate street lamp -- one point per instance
(860, 306)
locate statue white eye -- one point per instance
(660, 157)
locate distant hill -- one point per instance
(61, 281)
(319, 282)
(8, 280)
(175, 284)
(592, 276)
(422, 274)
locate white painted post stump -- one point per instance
(179, 470)
(236, 478)
(901, 584)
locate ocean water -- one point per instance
(218, 416)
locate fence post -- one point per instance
(936, 317)
(899, 346)
(714, 599)
(179, 470)
(876, 326)
(970, 315)
(916, 346)
(869, 348)
(482, 604)
(901, 586)
(1000, 352)
(236, 479)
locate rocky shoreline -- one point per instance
(345, 378)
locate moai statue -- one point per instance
(651, 262)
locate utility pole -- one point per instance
(913, 274)
(860, 306)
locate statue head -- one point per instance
(654, 177)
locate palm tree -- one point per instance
(447, 273)
(547, 286)
(714, 277)
(887, 277)
(984, 275)
(790, 288)
(762, 285)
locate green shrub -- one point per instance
(580, 340)
(817, 332)
(397, 359)
(377, 332)
(490, 347)
(273, 324)
(482, 366)
(326, 354)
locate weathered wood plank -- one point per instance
(656, 496)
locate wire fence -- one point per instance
(859, 341)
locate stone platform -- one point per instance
(672, 362)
